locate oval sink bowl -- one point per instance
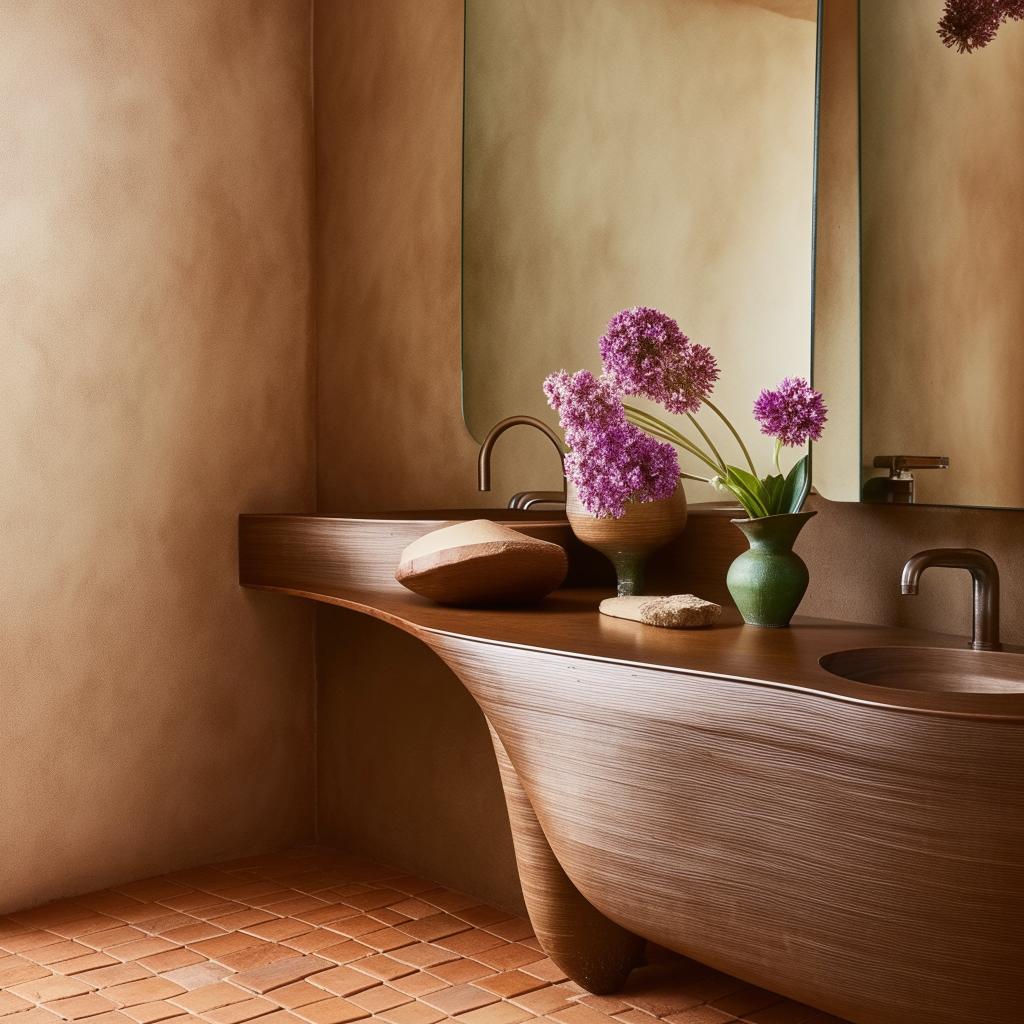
(930, 669)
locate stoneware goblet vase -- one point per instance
(628, 541)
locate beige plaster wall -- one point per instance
(624, 152)
(943, 241)
(155, 317)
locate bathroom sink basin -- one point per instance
(931, 669)
(495, 515)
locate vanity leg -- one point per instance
(593, 951)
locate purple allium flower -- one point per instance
(610, 462)
(645, 353)
(793, 413)
(969, 25)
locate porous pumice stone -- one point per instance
(481, 563)
(679, 611)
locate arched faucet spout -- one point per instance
(499, 428)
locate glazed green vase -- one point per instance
(768, 581)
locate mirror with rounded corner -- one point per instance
(920, 234)
(636, 152)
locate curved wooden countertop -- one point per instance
(327, 562)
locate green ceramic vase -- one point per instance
(768, 581)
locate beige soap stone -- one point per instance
(679, 611)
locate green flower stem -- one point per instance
(659, 428)
(690, 476)
(735, 433)
(707, 440)
(778, 452)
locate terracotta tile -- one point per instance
(297, 904)
(786, 1012)
(219, 909)
(636, 1017)
(423, 955)
(84, 963)
(384, 967)
(15, 969)
(137, 912)
(111, 1017)
(546, 970)
(247, 892)
(346, 952)
(420, 984)
(83, 926)
(139, 948)
(147, 990)
(379, 998)
(515, 929)
(107, 902)
(471, 942)
(507, 956)
(353, 927)
(209, 997)
(386, 939)
(112, 937)
(544, 1000)
(459, 999)
(387, 916)
(411, 884)
(312, 940)
(282, 972)
(37, 1015)
(578, 1014)
(511, 983)
(498, 1013)
(195, 932)
(241, 919)
(481, 915)
(34, 939)
(171, 960)
(66, 949)
(150, 1013)
(280, 928)
(331, 1011)
(411, 1013)
(80, 1006)
(198, 975)
(115, 974)
(374, 898)
(449, 900)
(10, 1003)
(9, 927)
(150, 890)
(45, 990)
(437, 926)
(608, 1005)
(280, 1017)
(414, 908)
(190, 901)
(701, 1015)
(343, 981)
(251, 957)
(42, 917)
(235, 1013)
(327, 914)
(745, 1001)
(460, 971)
(299, 993)
(230, 942)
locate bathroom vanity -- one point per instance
(858, 846)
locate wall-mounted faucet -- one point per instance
(985, 575)
(523, 499)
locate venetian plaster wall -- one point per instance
(155, 212)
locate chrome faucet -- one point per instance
(524, 499)
(985, 575)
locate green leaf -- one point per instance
(798, 483)
(748, 489)
(774, 486)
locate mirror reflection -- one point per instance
(635, 152)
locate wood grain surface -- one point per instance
(855, 846)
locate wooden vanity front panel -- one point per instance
(863, 859)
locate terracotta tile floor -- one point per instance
(315, 937)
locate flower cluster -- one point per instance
(610, 461)
(645, 353)
(969, 25)
(794, 413)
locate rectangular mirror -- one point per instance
(920, 317)
(635, 152)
